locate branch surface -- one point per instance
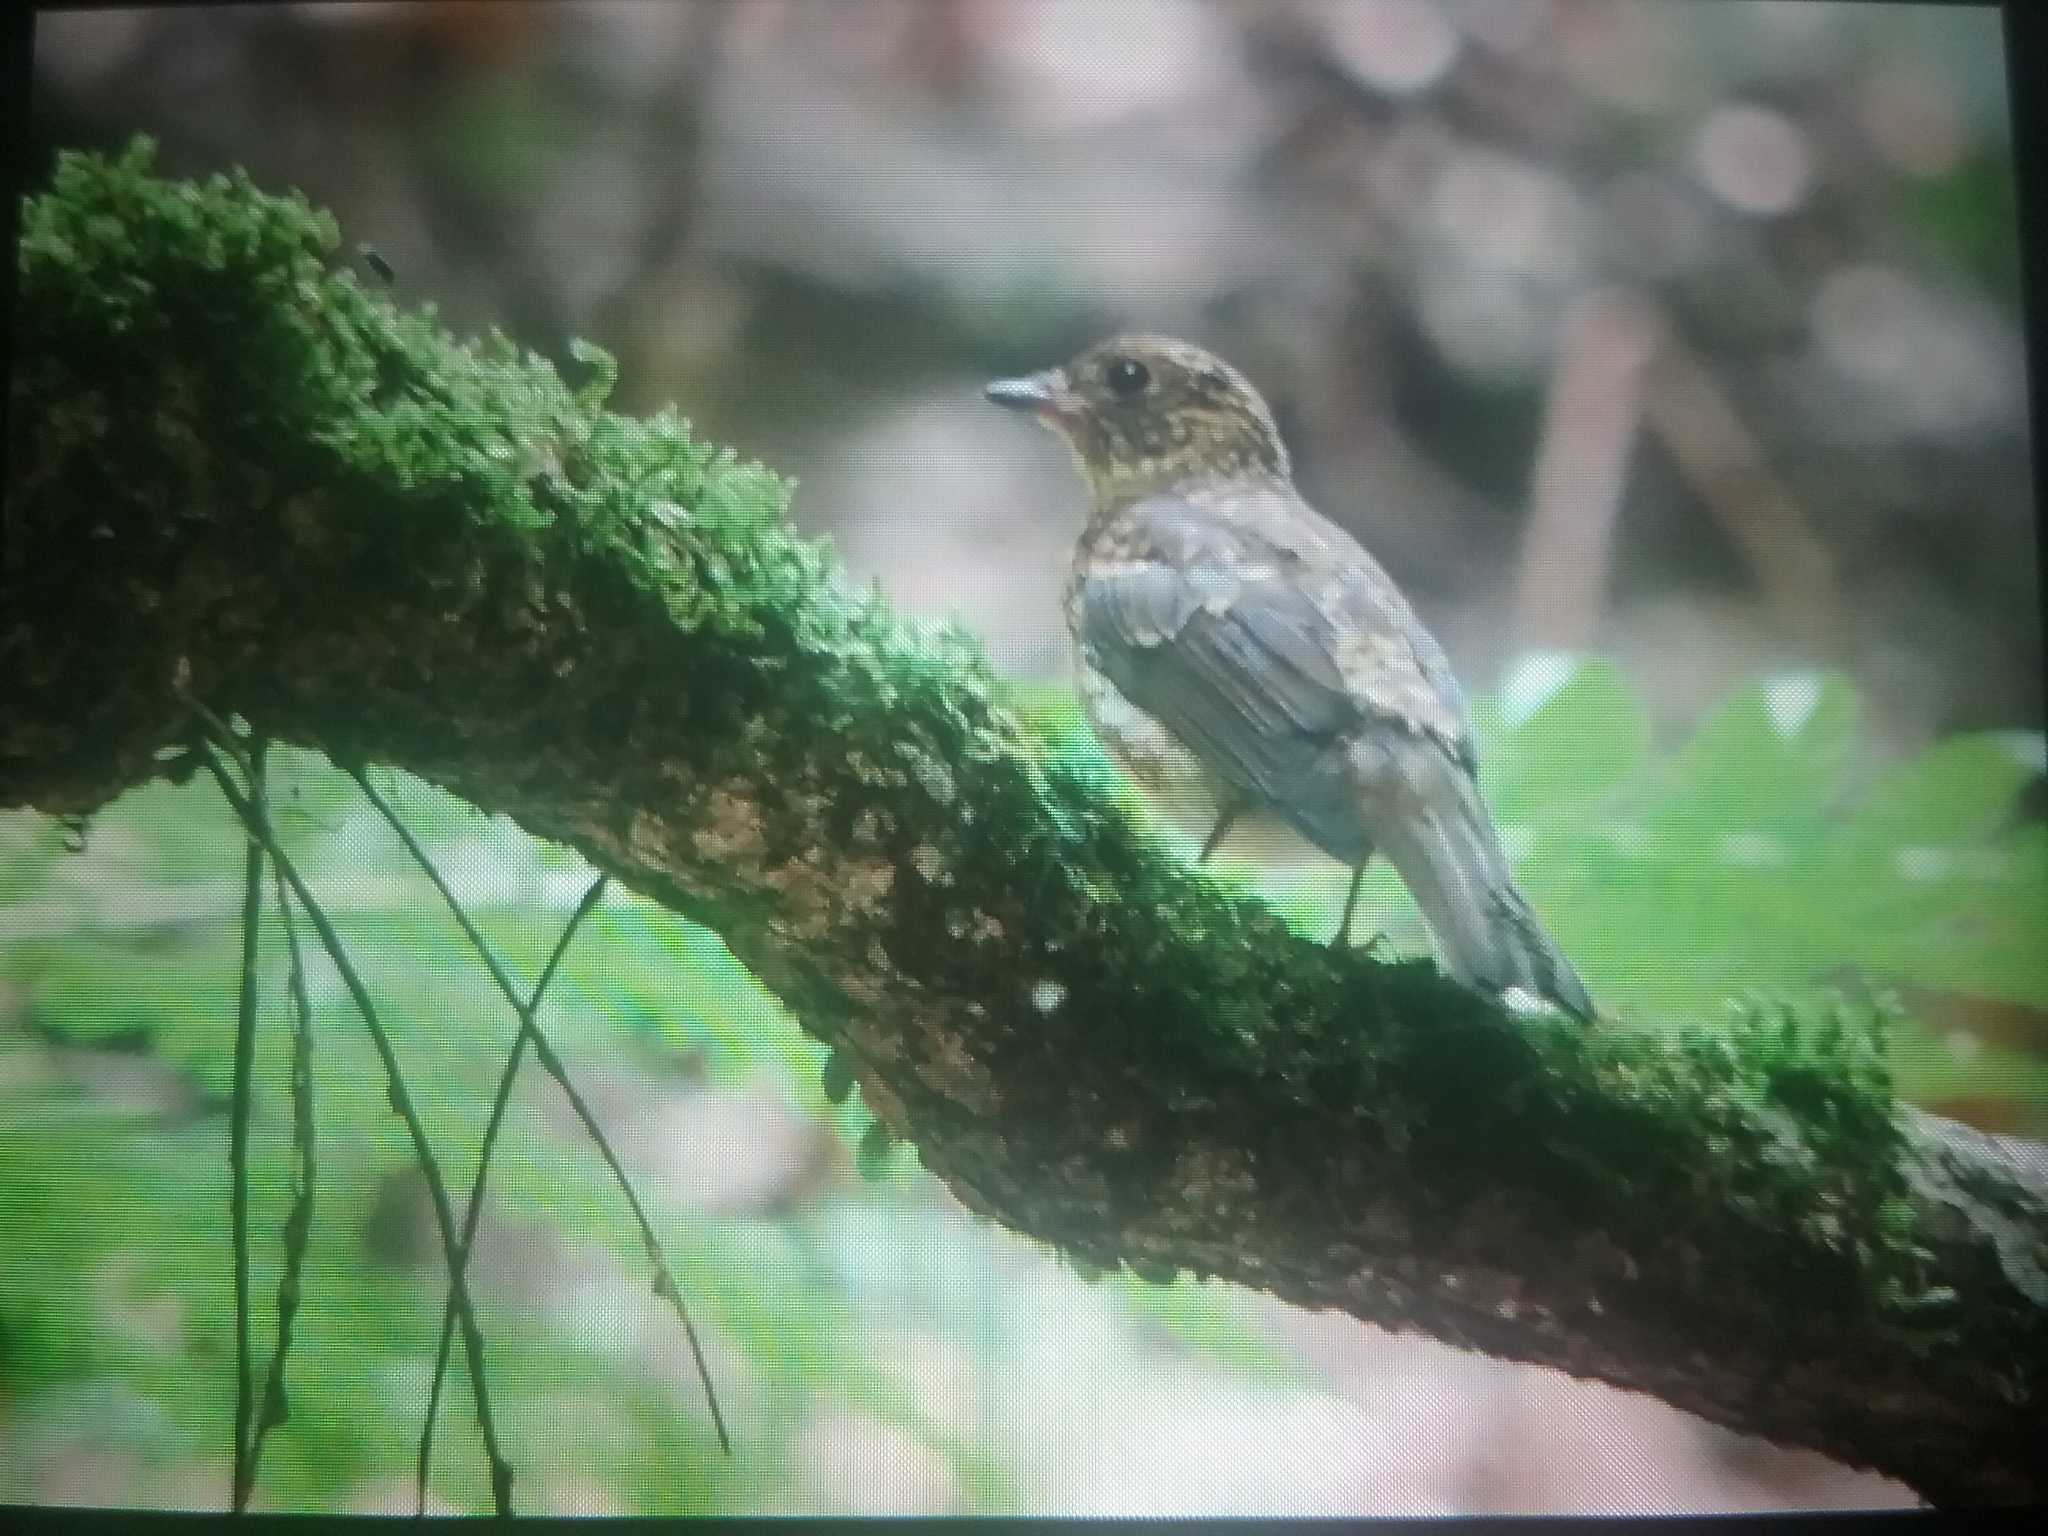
(234, 470)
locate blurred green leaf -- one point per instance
(1769, 762)
(1576, 733)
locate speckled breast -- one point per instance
(1144, 748)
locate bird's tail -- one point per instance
(1450, 859)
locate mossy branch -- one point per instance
(235, 469)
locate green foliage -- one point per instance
(1581, 743)
(1970, 213)
(352, 424)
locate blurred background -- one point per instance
(1666, 353)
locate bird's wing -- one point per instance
(1391, 664)
(1247, 684)
(1256, 652)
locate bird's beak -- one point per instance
(1042, 394)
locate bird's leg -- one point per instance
(1226, 817)
(1342, 937)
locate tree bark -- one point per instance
(235, 472)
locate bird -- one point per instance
(1220, 621)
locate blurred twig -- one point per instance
(1589, 430)
(1721, 459)
(672, 161)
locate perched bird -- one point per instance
(1218, 616)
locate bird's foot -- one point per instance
(1226, 817)
(1342, 937)
(1373, 945)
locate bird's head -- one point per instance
(1146, 414)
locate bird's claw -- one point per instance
(1372, 946)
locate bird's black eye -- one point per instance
(1126, 376)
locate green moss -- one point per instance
(326, 387)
